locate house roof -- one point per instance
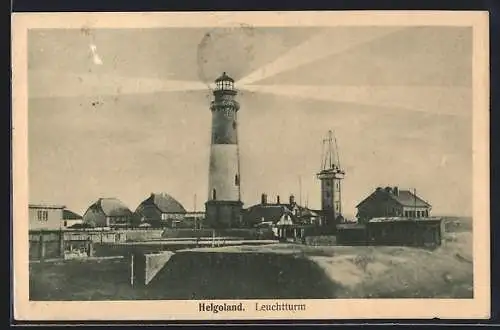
(270, 212)
(112, 207)
(407, 198)
(46, 206)
(305, 212)
(402, 197)
(274, 211)
(164, 202)
(70, 215)
(400, 219)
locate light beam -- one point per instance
(431, 99)
(333, 41)
(88, 84)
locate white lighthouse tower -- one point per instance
(223, 207)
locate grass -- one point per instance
(388, 272)
(81, 280)
(272, 271)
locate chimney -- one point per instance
(291, 200)
(395, 191)
(263, 199)
(278, 199)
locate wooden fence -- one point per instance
(52, 244)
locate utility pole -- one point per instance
(415, 201)
(300, 190)
(132, 268)
(195, 218)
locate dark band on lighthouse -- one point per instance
(224, 119)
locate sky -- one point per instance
(125, 112)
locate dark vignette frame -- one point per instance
(492, 6)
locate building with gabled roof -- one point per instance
(392, 202)
(160, 210)
(268, 212)
(70, 218)
(108, 212)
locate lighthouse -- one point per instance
(223, 207)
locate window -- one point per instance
(214, 194)
(237, 180)
(328, 194)
(65, 223)
(327, 183)
(43, 215)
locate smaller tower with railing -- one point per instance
(331, 176)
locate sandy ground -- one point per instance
(365, 271)
(272, 271)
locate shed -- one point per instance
(351, 234)
(421, 232)
(71, 219)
